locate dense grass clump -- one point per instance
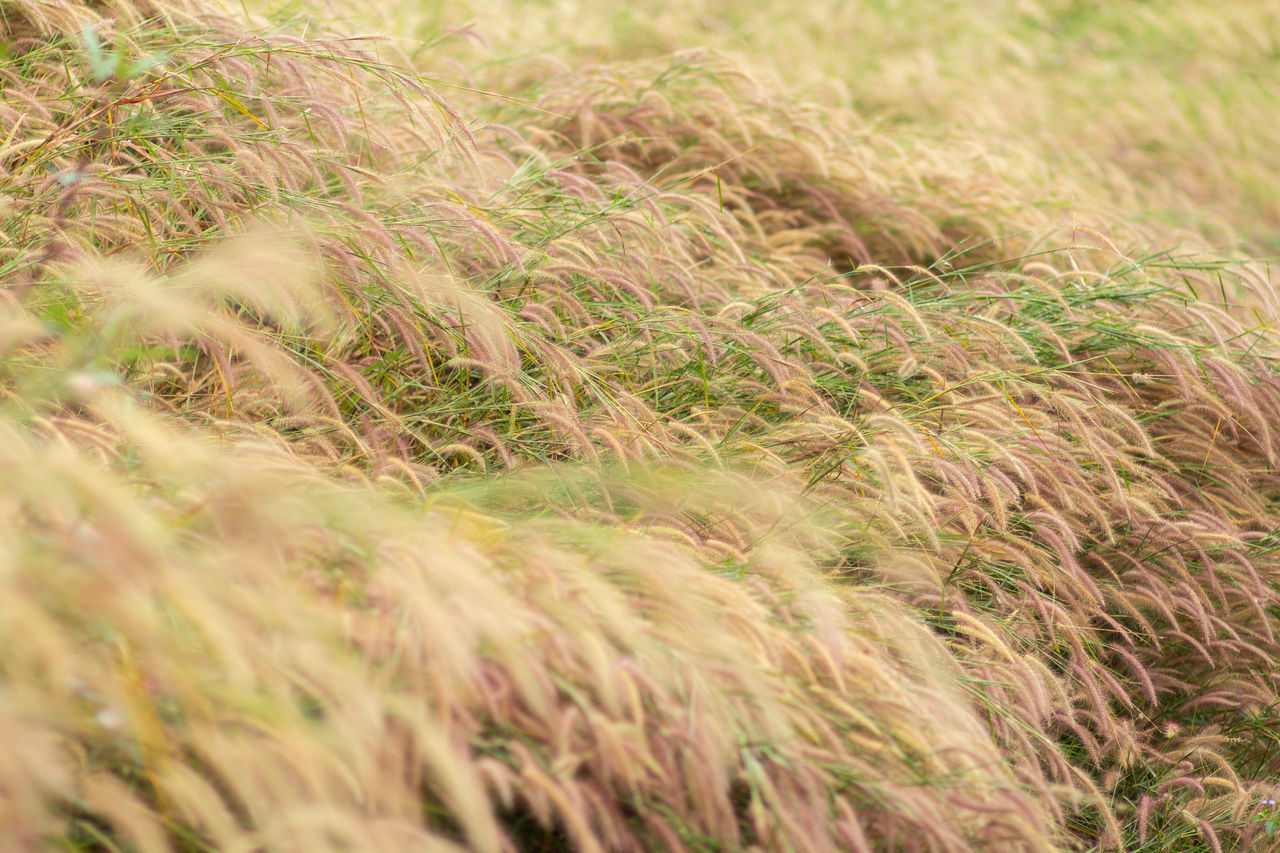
(602, 456)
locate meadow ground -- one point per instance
(716, 429)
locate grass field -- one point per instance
(508, 426)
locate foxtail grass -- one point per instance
(644, 461)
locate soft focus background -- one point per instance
(1163, 109)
